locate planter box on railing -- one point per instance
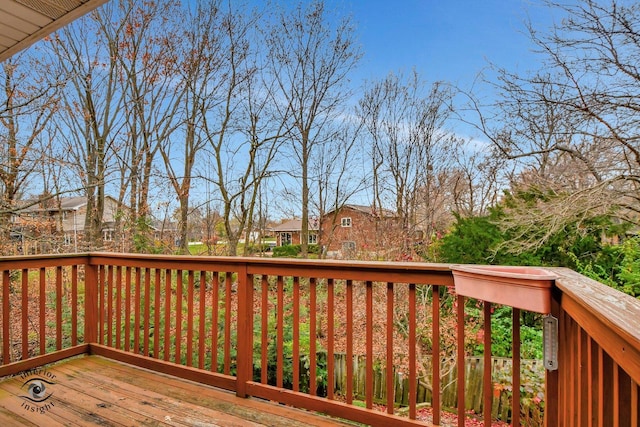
(527, 288)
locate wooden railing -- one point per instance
(598, 379)
(271, 328)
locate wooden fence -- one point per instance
(501, 375)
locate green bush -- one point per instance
(286, 251)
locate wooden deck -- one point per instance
(91, 390)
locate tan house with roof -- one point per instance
(58, 223)
(289, 232)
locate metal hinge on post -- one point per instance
(550, 336)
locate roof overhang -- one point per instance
(24, 22)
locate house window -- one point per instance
(68, 239)
(285, 239)
(346, 222)
(313, 239)
(107, 235)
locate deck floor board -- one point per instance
(91, 390)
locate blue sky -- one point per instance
(444, 40)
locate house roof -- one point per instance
(365, 209)
(72, 203)
(24, 22)
(294, 225)
(51, 204)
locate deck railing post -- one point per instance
(552, 409)
(90, 302)
(244, 351)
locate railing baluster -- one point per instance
(6, 335)
(42, 310)
(127, 309)
(58, 308)
(578, 375)
(312, 336)
(202, 318)
(25, 314)
(487, 384)
(390, 374)
(136, 311)
(625, 401)
(147, 309)
(178, 314)
(349, 291)
(101, 306)
(635, 405)
(608, 392)
(91, 297)
(460, 359)
(167, 314)
(566, 373)
(592, 380)
(227, 322)
(413, 385)
(157, 285)
(264, 325)
(296, 334)
(280, 333)
(74, 305)
(244, 331)
(119, 307)
(190, 284)
(330, 338)
(616, 394)
(369, 345)
(214, 320)
(601, 388)
(109, 273)
(515, 416)
(572, 369)
(435, 376)
(583, 378)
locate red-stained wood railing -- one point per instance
(206, 318)
(368, 295)
(293, 303)
(42, 307)
(598, 380)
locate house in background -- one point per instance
(351, 229)
(289, 232)
(58, 223)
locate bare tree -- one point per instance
(239, 125)
(573, 127)
(147, 61)
(475, 181)
(27, 106)
(199, 70)
(410, 150)
(311, 61)
(336, 179)
(90, 117)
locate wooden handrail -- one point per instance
(607, 315)
(183, 315)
